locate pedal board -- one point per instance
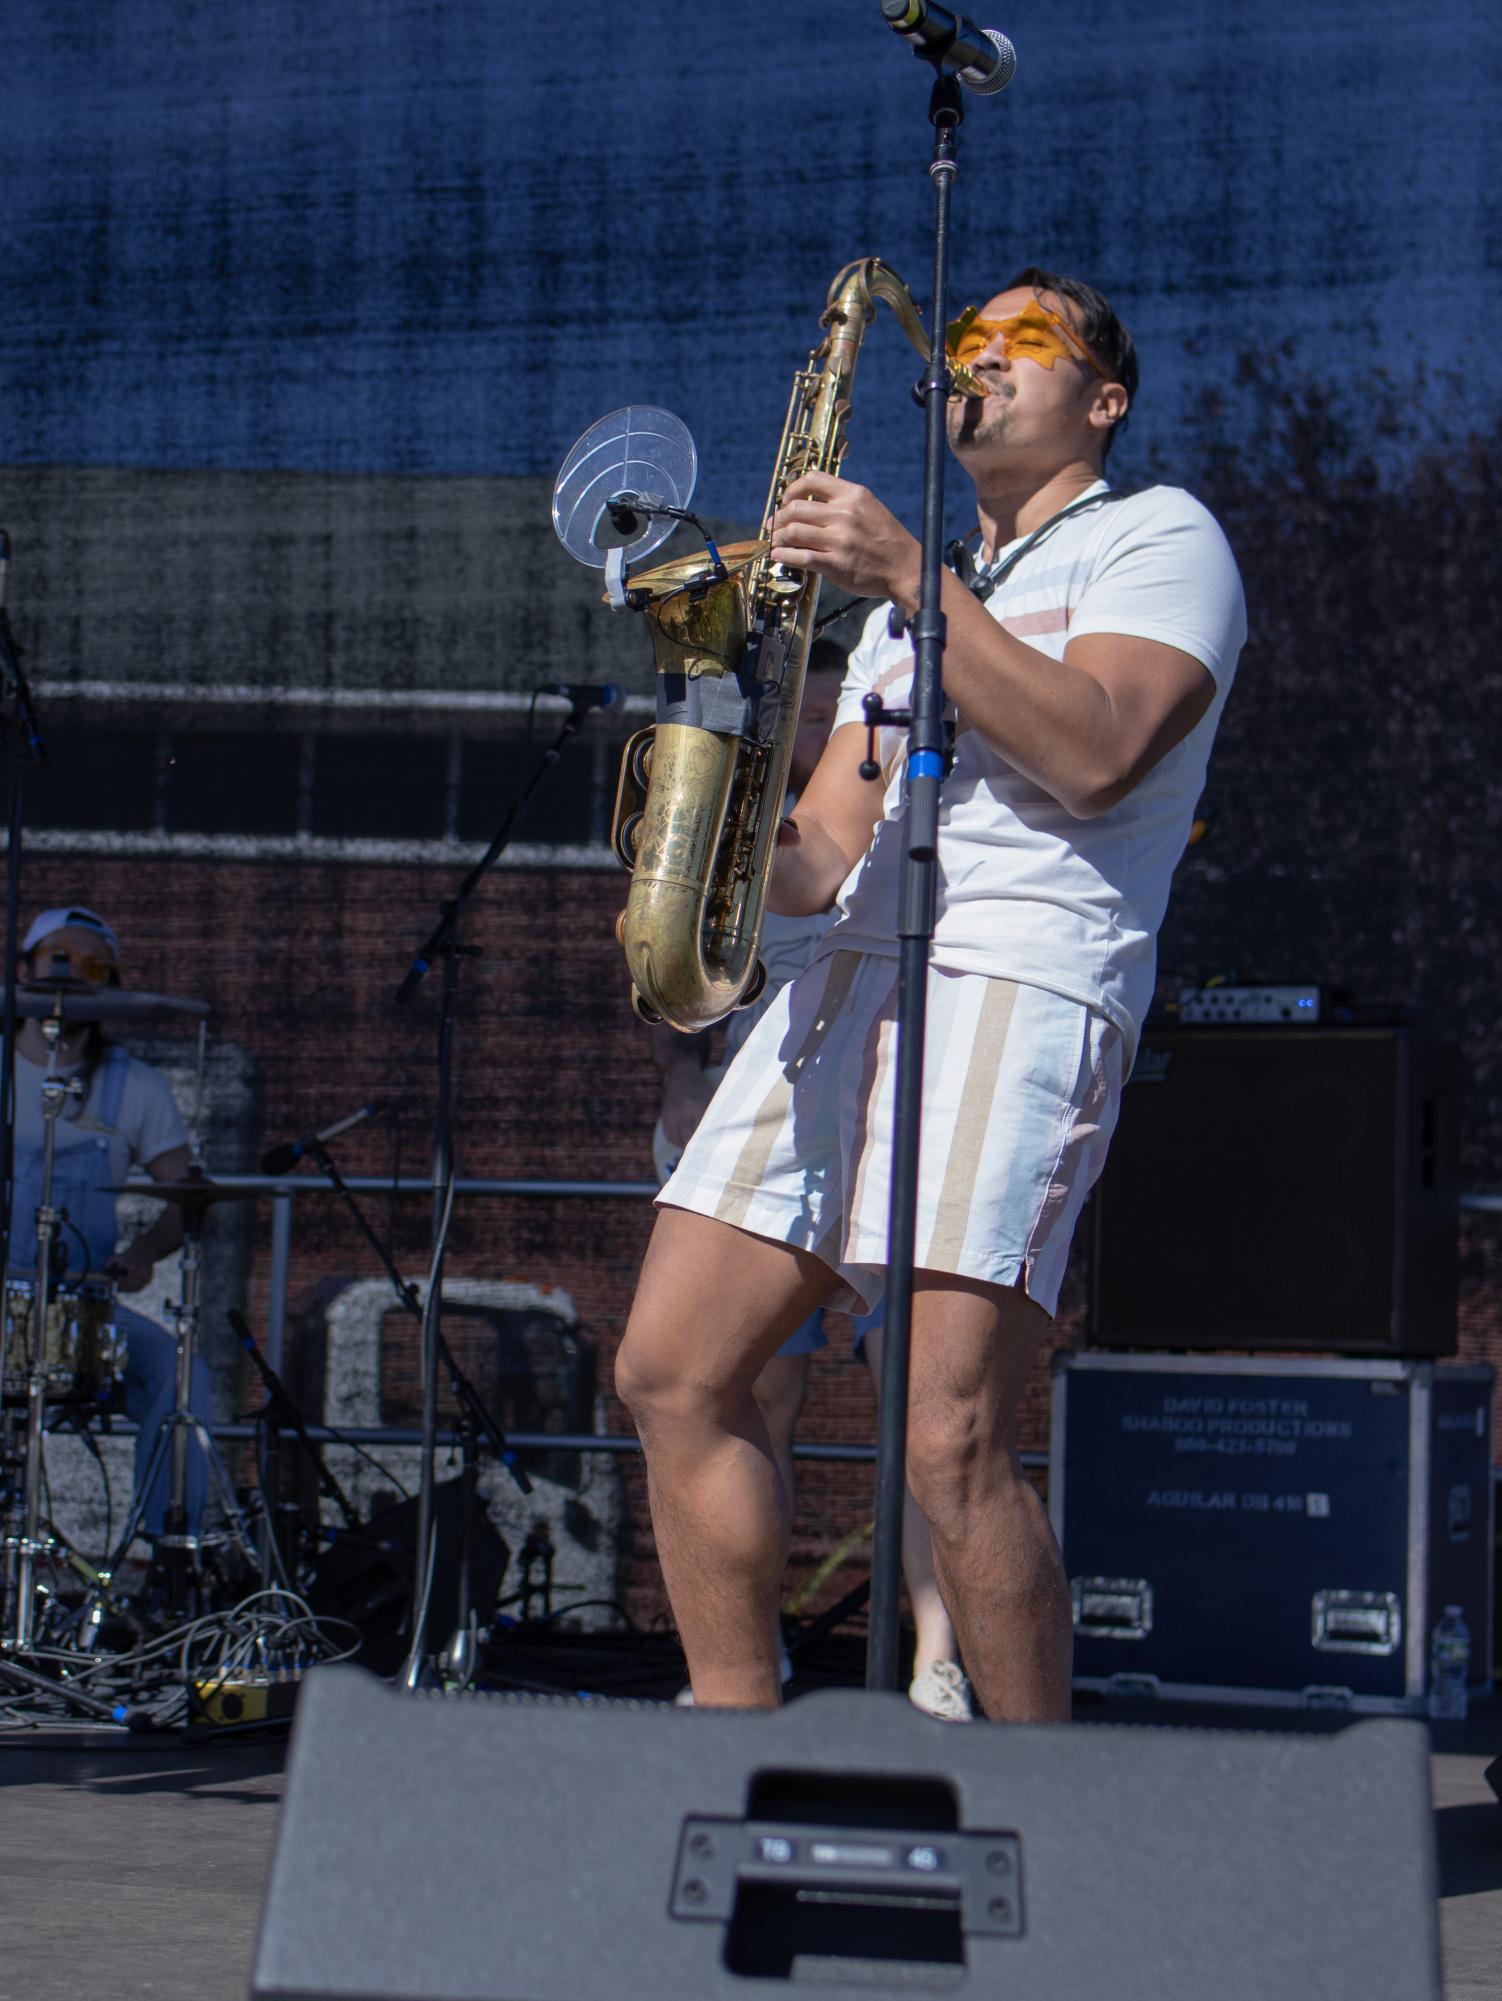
(267, 1696)
(1274, 1006)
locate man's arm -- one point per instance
(133, 1265)
(830, 830)
(1087, 729)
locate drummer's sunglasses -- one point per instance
(1037, 333)
(96, 967)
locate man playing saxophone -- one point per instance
(1087, 663)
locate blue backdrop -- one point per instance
(441, 236)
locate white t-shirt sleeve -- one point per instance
(150, 1116)
(1164, 571)
(861, 669)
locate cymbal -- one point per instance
(188, 1194)
(81, 1000)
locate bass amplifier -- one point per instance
(1283, 1189)
(1268, 1530)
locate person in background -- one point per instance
(124, 1115)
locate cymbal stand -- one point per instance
(22, 1548)
(181, 1548)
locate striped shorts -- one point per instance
(1021, 1089)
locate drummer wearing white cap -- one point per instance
(124, 1115)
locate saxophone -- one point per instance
(701, 791)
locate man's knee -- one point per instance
(955, 1449)
(658, 1372)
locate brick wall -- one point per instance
(553, 1081)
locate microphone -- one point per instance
(626, 516)
(984, 60)
(627, 509)
(279, 1158)
(585, 694)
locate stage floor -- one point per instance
(133, 1866)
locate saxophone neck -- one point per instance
(869, 279)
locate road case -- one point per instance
(1268, 1529)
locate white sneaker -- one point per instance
(684, 1699)
(942, 1691)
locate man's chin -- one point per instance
(966, 433)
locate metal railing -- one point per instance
(285, 1192)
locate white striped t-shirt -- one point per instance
(1026, 891)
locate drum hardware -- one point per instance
(179, 1549)
(80, 1003)
(24, 1542)
(26, 1539)
(188, 1195)
(83, 1351)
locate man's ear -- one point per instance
(1108, 406)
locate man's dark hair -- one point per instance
(826, 656)
(1097, 326)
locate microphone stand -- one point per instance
(917, 902)
(282, 1414)
(444, 943)
(29, 747)
(476, 1422)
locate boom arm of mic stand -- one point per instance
(291, 1418)
(440, 938)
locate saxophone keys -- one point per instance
(640, 1009)
(627, 840)
(753, 991)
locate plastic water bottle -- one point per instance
(1450, 1667)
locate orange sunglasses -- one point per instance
(1037, 333)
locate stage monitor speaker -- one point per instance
(472, 1848)
(1282, 1189)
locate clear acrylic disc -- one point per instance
(637, 450)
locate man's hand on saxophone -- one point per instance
(842, 532)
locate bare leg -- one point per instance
(712, 1307)
(933, 1629)
(779, 1397)
(997, 1562)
